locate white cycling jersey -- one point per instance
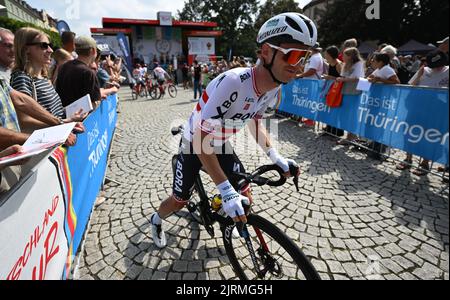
(229, 102)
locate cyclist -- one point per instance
(138, 76)
(232, 100)
(160, 74)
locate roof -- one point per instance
(157, 23)
(415, 46)
(367, 48)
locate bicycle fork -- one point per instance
(243, 231)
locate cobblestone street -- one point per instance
(354, 217)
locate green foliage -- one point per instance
(400, 21)
(14, 25)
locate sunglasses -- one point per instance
(293, 56)
(42, 45)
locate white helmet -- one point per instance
(288, 28)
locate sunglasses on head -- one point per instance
(42, 45)
(293, 56)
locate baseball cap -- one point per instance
(443, 41)
(317, 47)
(85, 43)
(436, 59)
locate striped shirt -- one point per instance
(45, 92)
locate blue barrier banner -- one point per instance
(88, 161)
(412, 119)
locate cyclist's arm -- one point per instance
(260, 134)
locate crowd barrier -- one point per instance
(412, 119)
(43, 219)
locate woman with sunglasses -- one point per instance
(33, 54)
(234, 99)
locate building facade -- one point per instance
(20, 10)
(164, 40)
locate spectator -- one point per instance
(197, 80)
(76, 80)
(350, 43)
(10, 131)
(68, 43)
(383, 73)
(443, 45)
(205, 77)
(185, 71)
(32, 59)
(392, 52)
(334, 72)
(315, 67)
(352, 70)
(6, 53)
(435, 75)
(60, 56)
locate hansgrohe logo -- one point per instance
(373, 11)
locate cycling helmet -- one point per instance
(288, 27)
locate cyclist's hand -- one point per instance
(232, 202)
(282, 162)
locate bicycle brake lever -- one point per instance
(294, 170)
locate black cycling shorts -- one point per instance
(188, 167)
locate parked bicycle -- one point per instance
(263, 251)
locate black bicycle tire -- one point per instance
(171, 93)
(154, 93)
(282, 239)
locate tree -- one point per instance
(274, 7)
(234, 18)
(400, 21)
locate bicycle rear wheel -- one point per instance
(155, 93)
(172, 91)
(278, 257)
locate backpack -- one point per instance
(403, 74)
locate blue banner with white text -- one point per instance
(88, 161)
(412, 119)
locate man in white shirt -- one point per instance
(314, 68)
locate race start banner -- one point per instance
(412, 119)
(44, 220)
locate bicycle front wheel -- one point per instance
(277, 256)
(172, 91)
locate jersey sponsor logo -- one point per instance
(245, 77)
(243, 117)
(249, 100)
(179, 177)
(272, 32)
(247, 106)
(226, 105)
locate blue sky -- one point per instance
(81, 15)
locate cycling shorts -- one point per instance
(188, 166)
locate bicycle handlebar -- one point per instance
(256, 177)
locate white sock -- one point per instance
(156, 219)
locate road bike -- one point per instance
(262, 251)
(158, 91)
